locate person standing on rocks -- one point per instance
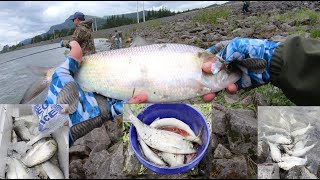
(82, 34)
(245, 7)
(118, 39)
(292, 65)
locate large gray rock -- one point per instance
(285, 27)
(114, 129)
(237, 32)
(259, 100)
(221, 20)
(131, 163)
(79, 151)
(96, 137)
(278, 38)
(197, 29)
(186, 37)
(246, 101)
(218, 122)
(268, 171)
(270, 27)
(300, 172)
(222, 153)
(76, 169)
(204, 166)
(242, 132)
(178, 28)
(94, 162)
(113, 164)
(247, 32)
(235, 168)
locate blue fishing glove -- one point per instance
(61, 43)
(115, 107)
(251, 56)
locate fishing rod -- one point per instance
(29, 55)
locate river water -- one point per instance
(16, 76)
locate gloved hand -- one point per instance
(251, 56)
(61, 43)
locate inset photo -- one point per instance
(166, 140)
(34, 141)
(288, 146)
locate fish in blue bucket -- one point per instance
(168, 147)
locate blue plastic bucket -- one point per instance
(183, 112)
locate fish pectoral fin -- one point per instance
(69, 95)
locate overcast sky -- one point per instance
(20, 20)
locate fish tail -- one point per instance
(127, 112)
(34, 90)
(199, 141)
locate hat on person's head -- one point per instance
(78, 15)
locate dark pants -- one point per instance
(245, 8)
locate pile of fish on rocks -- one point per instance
(166, 142)
(288, 147)
(36, 161)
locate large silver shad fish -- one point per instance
(163, 72)
(159, 139)
(52, 170)
(41, 152)
(173, 122)
(16, 170)
(150, 155)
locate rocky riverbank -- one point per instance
(271, 20)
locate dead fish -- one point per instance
(276, 130)
(300, 145)
(301, 152)
(21, 130)
(179, 124)
(52, 170)
(163, 72)
(293, 159)
(300, 138)
(301, 131)
(40, 153)
(292, 119)
(159, 139)
(286, 165)
(275, 152)
(277, 139)
(172, 159)
(150, 155)
(16, 170)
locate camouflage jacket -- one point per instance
(82, 34)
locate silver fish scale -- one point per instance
(164, 72)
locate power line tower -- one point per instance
(144, 18)
(138, 11)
